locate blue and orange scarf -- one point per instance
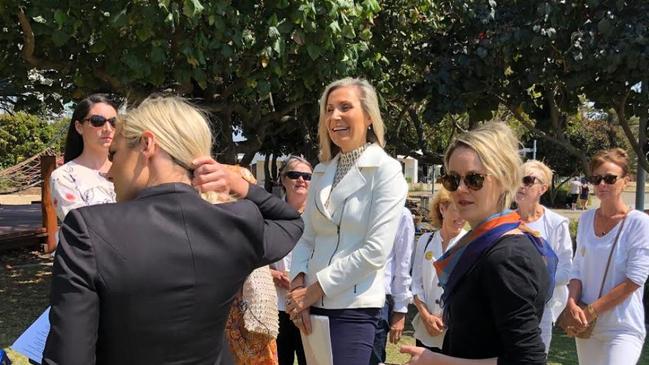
(457, 261)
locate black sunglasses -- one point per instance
(100, 120)
(597, 179)
(294, 175)
(474, 181)
(529, 180)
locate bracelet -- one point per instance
(591, 311)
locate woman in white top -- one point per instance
(351, 219)
(428, 323)
(295, 176)
(80, 181)
(555, 229)
(619, 331)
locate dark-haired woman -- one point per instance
(80, 181)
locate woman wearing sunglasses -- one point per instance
(80, 181)
(555, 229)
(295, 176)
(351, 218)
(610, 268)
(495, 278)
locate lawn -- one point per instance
(24, 289)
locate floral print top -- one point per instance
(74, 185)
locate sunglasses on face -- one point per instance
(608, 179)
(100, 120)
(530, 180)
(473, 181)
(294, 175)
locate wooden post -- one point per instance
(48, 164)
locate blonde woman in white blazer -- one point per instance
(352, 214)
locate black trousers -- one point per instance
(289, 342)
(433, 349)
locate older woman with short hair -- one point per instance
(295, 178)
(351, 218)
(495, 278)
(428, 323)
(610, 269)
(554, 228)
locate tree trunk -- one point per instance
(268, 182)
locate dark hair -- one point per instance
(616, 156)
(74, 141)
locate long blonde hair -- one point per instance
(370, 104)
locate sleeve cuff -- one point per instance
(401, 306)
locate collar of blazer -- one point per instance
(350, 183)
(165, 189)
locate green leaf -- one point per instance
(98, 47)
(313, 51)
(604, 26)
(158, 55)
(273, 32)
(60, 38)
(191, 8)
(334, 27)
(60, 17)
(349, 32)
(143, 33)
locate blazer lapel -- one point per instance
(323, 189)
(355, 179)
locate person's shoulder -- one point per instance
(638, 219)
(512, 248)
(63, 170)
(555, 217)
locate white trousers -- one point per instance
(620, 349)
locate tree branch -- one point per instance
(30, 45)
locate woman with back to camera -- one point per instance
(295, 177)
(555, 229)
(351, 217)
(428, 324)
(150, 280)
(495, 278)
(80, 181)
(610, 268)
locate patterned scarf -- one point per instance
(457, 261)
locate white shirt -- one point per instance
(630, 260)
(575, 186)
(397, 266)
(425, 283)
(74, 185)
(555, 229)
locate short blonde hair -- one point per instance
(180, 128)
(497, 148)
(370, 104)
(441, 198)
(536, 165)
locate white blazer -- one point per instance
(346, 250)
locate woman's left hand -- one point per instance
(300, 299)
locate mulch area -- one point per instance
(24, 291)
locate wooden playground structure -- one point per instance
(31, 224)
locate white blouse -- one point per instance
(74, 185)
(555, 229)
(425, 284)
(630, 260)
